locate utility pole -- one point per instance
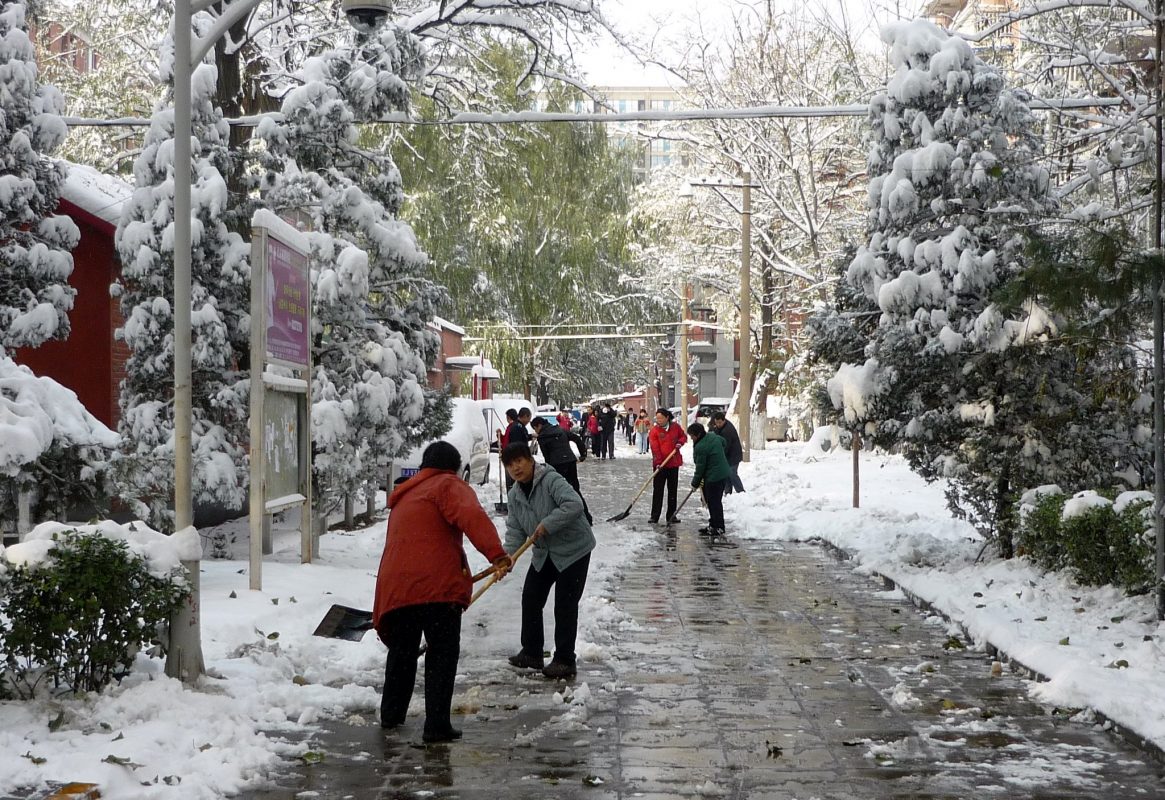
(743, 404)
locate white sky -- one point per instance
(665, 27)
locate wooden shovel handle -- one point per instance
(526, 545)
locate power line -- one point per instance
(673, 115)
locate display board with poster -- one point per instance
(280, 398)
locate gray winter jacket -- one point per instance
(556, 505)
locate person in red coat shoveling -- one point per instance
(424, 585)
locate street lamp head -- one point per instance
(366, 15)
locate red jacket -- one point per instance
(663, 441)
(423, 561)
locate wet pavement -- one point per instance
(751, 670)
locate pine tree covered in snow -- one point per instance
(973, 391)
(219, 319)
(371, 295)
(35, 245)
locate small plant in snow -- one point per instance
(78, 619)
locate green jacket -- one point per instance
(556, 505)
(711, 461)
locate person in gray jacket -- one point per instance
(542, 505)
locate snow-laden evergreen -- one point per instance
(220, 319)
(35, 244)
(372, 297)
(971, 389)
(51, 447)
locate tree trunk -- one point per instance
(1004, 514)
(349, 511)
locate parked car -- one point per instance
(468, 433)
(709, 406)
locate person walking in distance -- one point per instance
(544, 507)
(713, 471)
(596, 434)
(607, 422)
(564, 421)
(424, 585)
(720, 426)
(665, 440)
(642, 429)
(555, 443)
(515, 432)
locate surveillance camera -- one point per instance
(366, 15)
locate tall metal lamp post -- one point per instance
(744, 387)
(184, 660)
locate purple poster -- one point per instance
(287, 304)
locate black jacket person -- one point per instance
(554, 443)
(733, 450)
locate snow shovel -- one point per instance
(513, 561)
(671, 520)
(501, 506)
(643, 488)
(345, 622)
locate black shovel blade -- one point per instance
(501, 508)
(343, 622)
(618, 517)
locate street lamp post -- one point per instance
(744, 386)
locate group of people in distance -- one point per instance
(424, 583)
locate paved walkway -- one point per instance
(754, 671)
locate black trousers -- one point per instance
(597, 443)
(609, 443)
(568, 588)
(714, 497)
(668, 478)
(569, 470)
(401, 631)
(734, 484)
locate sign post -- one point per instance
(280, 399)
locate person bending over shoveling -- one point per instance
(424, 585)
(545, 508)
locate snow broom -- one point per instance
(643, 488)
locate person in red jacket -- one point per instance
(666, 439)
(424, 585)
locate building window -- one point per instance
(622, 106)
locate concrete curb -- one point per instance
(993, 651)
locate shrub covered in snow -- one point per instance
(1099, 540)
(76, 606)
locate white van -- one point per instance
(467, 433)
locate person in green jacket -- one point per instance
(543, 506)
(713, 470)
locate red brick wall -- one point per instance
(83, 362)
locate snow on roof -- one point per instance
(441, 322)
(95, 192)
